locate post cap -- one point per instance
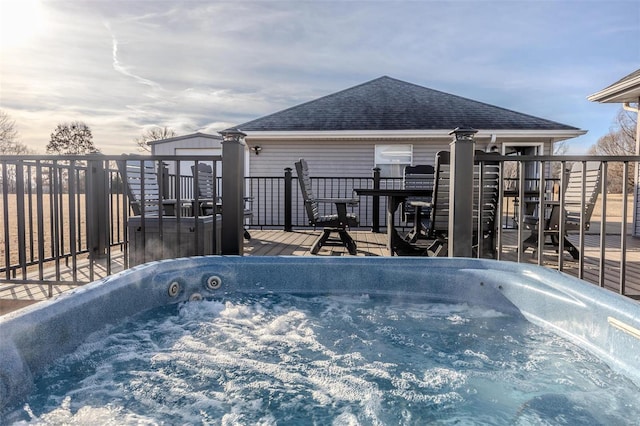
(232, 134)
(463, 132)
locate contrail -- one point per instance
(122, 69)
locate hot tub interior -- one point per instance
(293, 339)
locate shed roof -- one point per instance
(627, 89)
(183, 137)
(388, 104)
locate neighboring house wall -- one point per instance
(333, 157)
(626, 91)
(348, 157)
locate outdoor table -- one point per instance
(394, 198)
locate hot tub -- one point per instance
(603, 323)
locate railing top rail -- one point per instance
(142, 157)
(609, 158)
(101, 157)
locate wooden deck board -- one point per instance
(298, 243)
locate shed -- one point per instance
(193, 144)
(627, 91)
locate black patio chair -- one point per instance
(484, 235)
(417, 210)
(334, 223)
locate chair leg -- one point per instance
(317, 245)
(573, 251)
(415, 232)
(530, 241)
(419, 229)
(348, 242)
(488, 246)
(438, 248)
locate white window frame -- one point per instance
(538, 145)
(392, 163)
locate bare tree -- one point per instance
(10, 144)
(72, 139)
(9, 138)
(619, 141)
(153, 134)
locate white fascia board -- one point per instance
(408, 134)
(626, 91)
(345, 134)
(523, 134)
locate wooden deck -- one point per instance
(298, 243)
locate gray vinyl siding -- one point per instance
(330, 158)
(326, 158)
(333, 158)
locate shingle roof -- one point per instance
(390, 104)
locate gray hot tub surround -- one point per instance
(604, 323)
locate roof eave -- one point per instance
(555, 134)
(625, 91)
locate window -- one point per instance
(392, 159)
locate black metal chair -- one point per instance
(334, 223)
(573, 209)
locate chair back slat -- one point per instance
(418, 177)
(573, 193)
(142, 180)
(310, 203)
(441, 204)
(205, 180)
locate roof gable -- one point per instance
(183, 137)
(390, 104)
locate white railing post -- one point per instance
(461, 193)
(232, 192)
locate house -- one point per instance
(627, 91)
(388, 123)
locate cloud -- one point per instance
(121, 66)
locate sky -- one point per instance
(125, 66)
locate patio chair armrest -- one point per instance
(423, 204)
(349, 201)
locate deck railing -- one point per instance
(57, 210)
